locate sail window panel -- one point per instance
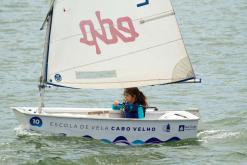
(95, 74)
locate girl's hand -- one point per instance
(116, 103)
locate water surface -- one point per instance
(214, 33)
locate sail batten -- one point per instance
(93, 46)
(160, 16)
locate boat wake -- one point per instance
(20, 131)
(207, 135)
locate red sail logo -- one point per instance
(125, 31)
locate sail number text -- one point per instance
(109, 34)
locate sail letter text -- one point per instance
(125, 31)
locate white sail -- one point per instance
(115, 44)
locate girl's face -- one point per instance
(129, 98)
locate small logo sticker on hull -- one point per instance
(181, 128)
(167, 128)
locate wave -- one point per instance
(216, 134)
(20, 131)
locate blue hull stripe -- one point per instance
(123, 140)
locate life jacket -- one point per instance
(131, 110)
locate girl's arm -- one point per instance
(117, 106)
(140, 111)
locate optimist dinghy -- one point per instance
(112, 44)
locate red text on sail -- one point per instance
(125, 31)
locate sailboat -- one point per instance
(112, 44)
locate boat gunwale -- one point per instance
(88, 117)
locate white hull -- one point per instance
(108, 126)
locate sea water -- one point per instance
(215, 35)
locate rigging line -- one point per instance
(120, 56)
(141, 20)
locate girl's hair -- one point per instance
(140, 97)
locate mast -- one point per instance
(43, 77)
